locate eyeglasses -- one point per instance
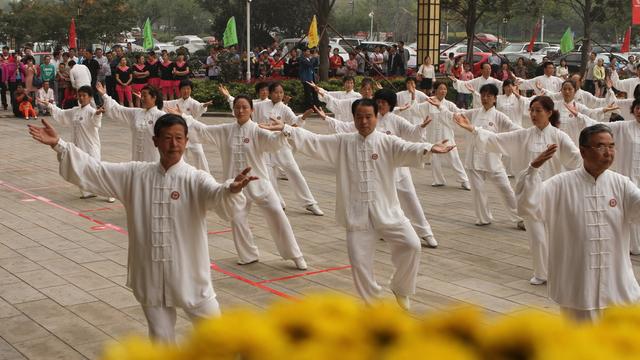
(602, 148)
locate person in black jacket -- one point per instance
(395, 63)
(94, 68)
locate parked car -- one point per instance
(574, 60)
(478, 59)
(371, 45)
(189, 42)
(522, 47)
(456, 50)
(343, 42)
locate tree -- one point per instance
(470, 12)
(323, 11)
(588, 11)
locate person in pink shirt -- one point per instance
(464, 100)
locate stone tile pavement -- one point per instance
(63, 259)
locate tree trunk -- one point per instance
(470, 27)
(586, 43)
(323, 8)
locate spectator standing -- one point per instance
(123, 79)
(166, 76)
(181, 72)
(395, 63)
(562, 71)
(291, 65)
(449, 64)
(405, 55)
(30, 75)
(140, 77)
(306, 74)
(211, 64)
(335, 63)
(495, 61)
(152, 65)
(588, 74)
(94, 68)
(426, 75)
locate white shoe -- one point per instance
(111, 200)
(520, 225)
(315, 210)
(437, 184)
(300, 263)
(403, 301)
(465, 185)
(429, 241)
(483, 223)
(240, 262)
(535, 281)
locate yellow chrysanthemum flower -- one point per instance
(522, 335)
(384, 324)
(463, 324)
(238, 334)
(138, 348)
(436, 347)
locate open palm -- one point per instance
(46, 134)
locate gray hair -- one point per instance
(586, 133)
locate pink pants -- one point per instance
(122, 91)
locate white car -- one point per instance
(189, 42)
(456, 50)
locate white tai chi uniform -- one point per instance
(626, 135)
(341, 94)
(404, 97)
(141, 123)
(482, 166)
(194, 153)
(626, 85)
(85, 126)
(168, 260)
(367, 201)
(477, 83)
(341, 108)
(526, 145)
(625, 109)
(573, 125)
(392, 124)
(231, 99)
(587, 222)
(586, 98)
(283, 158)
(440, 128)
(242, 146)
(551, 83)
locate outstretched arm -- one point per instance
(530, 189)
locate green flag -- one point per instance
(566, 42)
(147, 36)
(230, 37)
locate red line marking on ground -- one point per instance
(215, 267)
(219, 232)
(71, 211)
(305, 274)
(108, 208)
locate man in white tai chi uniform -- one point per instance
(166, 204)
(587, 213)
(367, 200)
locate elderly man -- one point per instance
(166, 204)
(484, 79)
(367, 199)
(547, 81)
(587, 213)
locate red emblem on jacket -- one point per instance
(374, 156)
(246, 140)
(613, 202)
(175, 195)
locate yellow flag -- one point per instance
(313, 33)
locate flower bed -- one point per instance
(339, 327)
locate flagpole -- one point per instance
(248, 40)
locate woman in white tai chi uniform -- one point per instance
(525, 145)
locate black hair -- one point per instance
(636, 102)
(246, 97)
(89, 51)
(71, 63)
(586, 133)
(546, 63)
(366, 81)
(547, 104)
(387, 95)
(409, 78)
(168, 120)
(261, 85)
(489, 88)
(86, 89)
(507, 83)
(636, 92)
(437, 84)
(571, 82)
(187, 82)
(274, 85)
(155, 92)
(364, 102)
(347, 78)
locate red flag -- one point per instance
(627, 41)
(72, 35)
(635, 12)
(534, 36)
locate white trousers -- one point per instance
(453, 160)
(411, 206)
(581, 315)
(278, 224)
(477, 178)
(635, 238)
(539, 247)
(162, 319)
(284, 159)
(194, 156)
(405, 258)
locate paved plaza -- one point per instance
(63, 259)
